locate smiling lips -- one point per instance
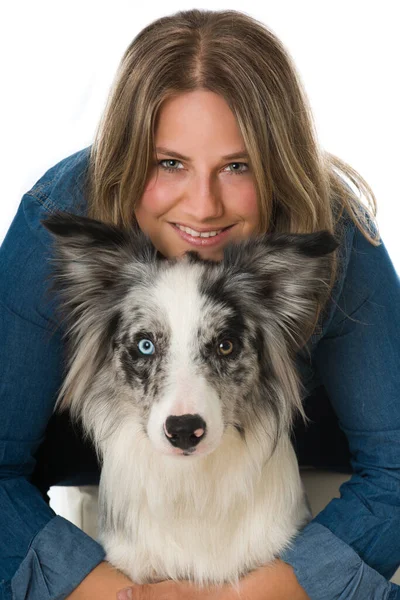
(195, 233)
(201, 238)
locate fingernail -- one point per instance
(125, 594)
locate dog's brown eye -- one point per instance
(225, 348)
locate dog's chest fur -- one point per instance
(209, 522)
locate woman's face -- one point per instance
(200, 193)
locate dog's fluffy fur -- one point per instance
(151, 338)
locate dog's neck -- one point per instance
(230, 476)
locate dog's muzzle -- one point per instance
(185, 431)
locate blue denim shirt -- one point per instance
(348, 551)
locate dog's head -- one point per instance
(184, 350)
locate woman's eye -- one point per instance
(225, 348)
(146, 347)
(238, 168)
(169, 164)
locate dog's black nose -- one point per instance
(185, 431)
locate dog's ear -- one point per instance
(91, 257)
(92, 244)
(272, 248)
(82, 230)
(286, 274)
(78, 236)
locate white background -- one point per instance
(58, 59)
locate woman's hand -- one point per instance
(275, 581)
(172, 590)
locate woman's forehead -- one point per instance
(195, 121)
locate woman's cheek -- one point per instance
(157, 196)
(243, 198)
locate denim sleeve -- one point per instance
(42, 556)
(352, 547)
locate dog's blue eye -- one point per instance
(146, 347)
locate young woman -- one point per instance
(208, 129)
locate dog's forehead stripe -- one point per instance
(177, 292)
(222, 295)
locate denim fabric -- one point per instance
(357, 360)
(348, 551)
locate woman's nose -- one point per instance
(203, 199)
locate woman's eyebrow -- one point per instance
(163, 150)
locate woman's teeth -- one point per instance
(204, 234)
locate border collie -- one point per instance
(183, 374)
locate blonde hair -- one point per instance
(300, 187)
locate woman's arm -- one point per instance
(353, 544)
(41, 555)
(103, 583)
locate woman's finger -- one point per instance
(170, 590)
(165, 590)
(125, 594)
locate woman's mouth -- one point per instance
(203, 239)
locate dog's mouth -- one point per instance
(185, 451)
(188, 452)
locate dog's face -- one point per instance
(190, 356)
(185, 349)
